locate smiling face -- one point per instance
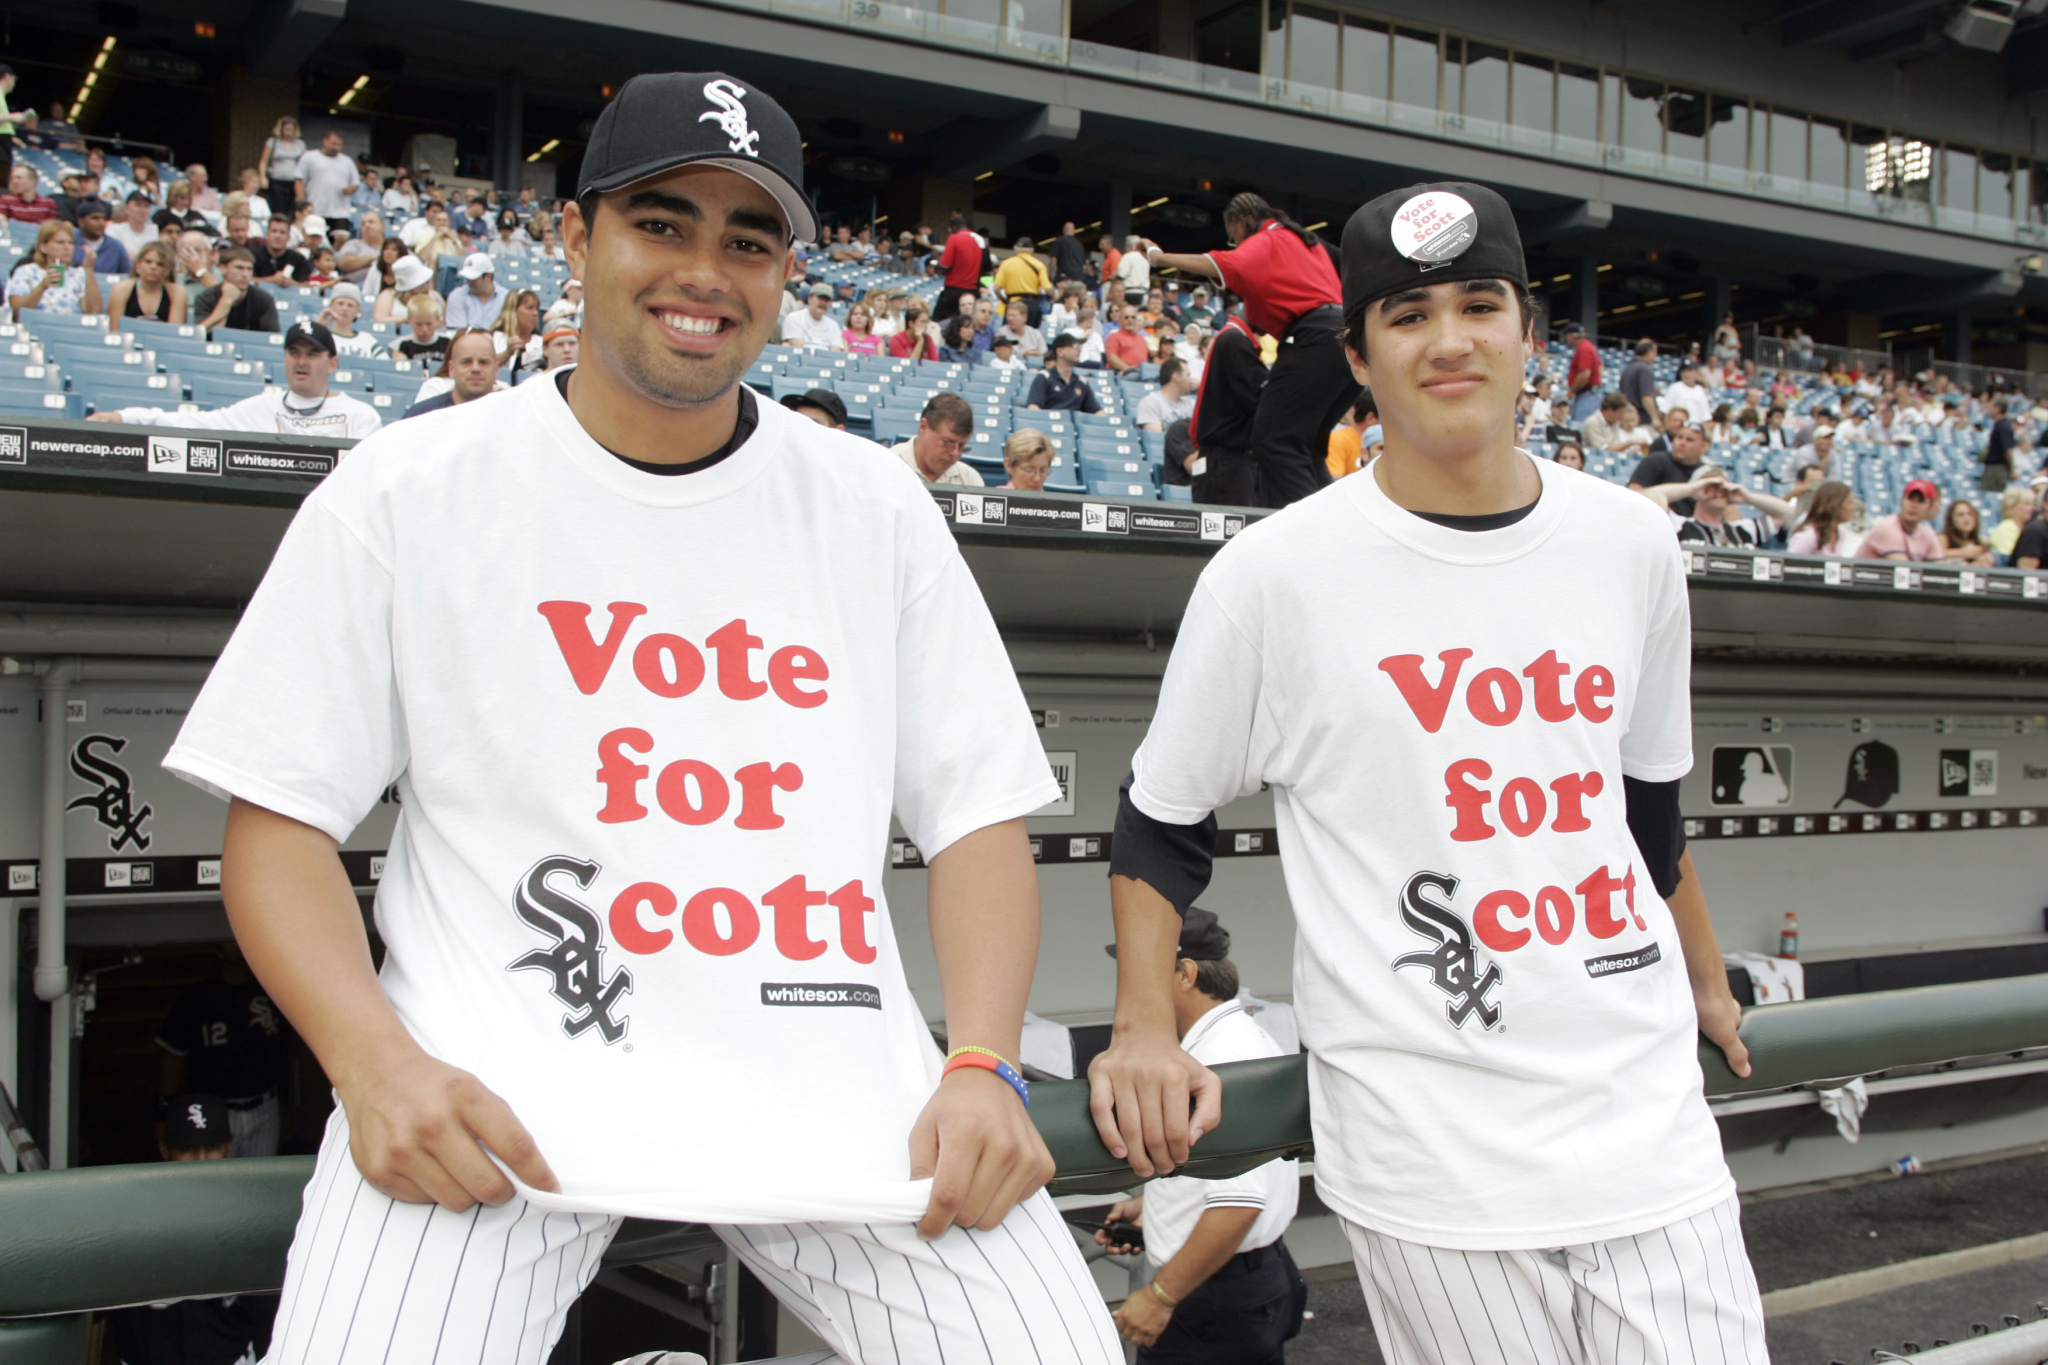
(682, 279)
(1445, 364)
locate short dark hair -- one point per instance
(1645, 346)
(1169, 368)
(229, 255)
(951, 411)
(1216, 977)
(1364, 406)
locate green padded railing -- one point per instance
(110, 1235)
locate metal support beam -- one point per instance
(1958, 337)
(1585, 306)
(968, 147)
(283, 33)
(1573, 220)
(1117, 222)
(1853, 21)
(1903, 294)
(1714, 306)
(508, 133)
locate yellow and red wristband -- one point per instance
(988, 1061)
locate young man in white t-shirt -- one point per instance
(651, 664)
(1503, 956)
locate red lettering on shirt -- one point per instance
(700, 922)
(658, 657)
(621, 776)
(588, 660)
(628, 931)
(735, 665)
(792, 902)
(1467, 800)
(1594, 686)
(1571, 790)
(1428, 703)
(758, 785)
(1545, 677)
(672, 791)
(854, 906)
(793, 664)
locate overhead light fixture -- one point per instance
(1157, 202)
(546, 147)
(92, 78)
(984, 175)
(1318, 227)
(203, 29)
(353, 91)
(895, 135)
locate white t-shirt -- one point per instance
(681, 976)
(131, 239)
(1538, 1086)
(330, 180)
(1156, 407)
(1691, 397)
(1174, 1205)
(276, 410)
(961, 472)
(801, 329)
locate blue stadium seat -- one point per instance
(33, 373)
(1104, 488)
(245, 339)
(220, 391)
(1176, 492)
(35, 400)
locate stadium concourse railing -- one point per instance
(102, 1237)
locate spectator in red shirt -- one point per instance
(960, 263)
(1112, 257)
(1910, 533)
(1125, 348)
(1284, 274)
(1583, 379)
(918, 340)
(21, 202)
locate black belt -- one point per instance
(1326, 315)
(1245, 1262)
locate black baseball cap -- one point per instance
(1429, 234)
(1064, 340)
(1202, 938)
(306, 329)
(196, 1121)
(680, 118)
(824, 400)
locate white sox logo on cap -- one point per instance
(196, 1116)
(730, 115)
(1434, 227)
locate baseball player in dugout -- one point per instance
(652, 664)
(1504, 956)
(1223, 1290)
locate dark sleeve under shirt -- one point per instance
(1177, 860)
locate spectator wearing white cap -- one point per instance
(1819, 449)
(568, 308)
(344, 306)
(410, 280)
(480, 303)
(813, 324)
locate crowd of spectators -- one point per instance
(381, 245)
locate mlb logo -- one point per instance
(1969, 772)
(13, 445)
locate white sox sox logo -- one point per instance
(576, 960)
(1453, 965)
(113, 805)
(196, 1116)
(730, 115)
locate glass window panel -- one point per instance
(1612, 98)
(1535, 92)
(1958, 178)
(1486, 83)
(1728, 137)
(1578, 102)
(1450, 95)
(1685, 125)
(1276, 39)
(1642, 123)
(1994, 184)
(1788, 145)
(2030, 190)
(1312, 47)
(1415, 67)
(1830, 153)
(1365, 58)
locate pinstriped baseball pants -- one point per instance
(370, 1279)
(1678, 1295)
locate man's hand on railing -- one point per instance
(1141, 1091)
(1720, 1021)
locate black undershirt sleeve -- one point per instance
(1174, 860)
(1658, 828)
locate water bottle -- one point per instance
(1788, 936)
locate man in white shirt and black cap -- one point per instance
(1505, 959)
(654, 663)
(1224, 1290)
(303, 407)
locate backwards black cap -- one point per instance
(1429, 234)
(676, 118)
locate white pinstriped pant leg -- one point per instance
(1678, 1295)
(879, 1294)
(370, 1279)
